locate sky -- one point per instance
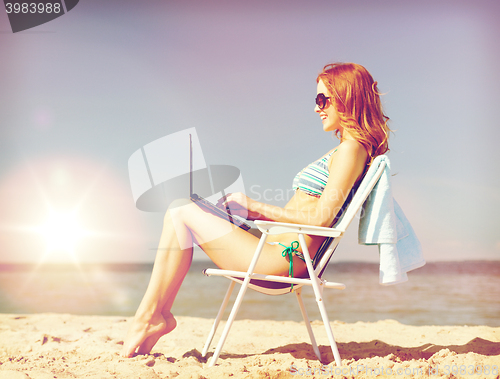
(80, 94)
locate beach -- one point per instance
(50, 345)
(67, 321)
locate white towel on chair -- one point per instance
(383, 223)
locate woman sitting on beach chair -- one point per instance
(348, 104)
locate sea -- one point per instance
(440, 293)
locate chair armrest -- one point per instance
(272, 227)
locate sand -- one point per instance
(42, 346)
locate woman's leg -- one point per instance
(153, 318)
(233, 250)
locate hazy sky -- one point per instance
(80, 94)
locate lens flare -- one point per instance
(61, 231)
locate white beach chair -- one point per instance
(278, 285)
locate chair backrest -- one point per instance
(325, 252)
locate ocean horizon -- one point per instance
(440, 293)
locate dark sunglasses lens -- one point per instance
(321, 101)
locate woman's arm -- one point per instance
(346, 166)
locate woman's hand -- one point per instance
(240, 205)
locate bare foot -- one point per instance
(141, 331)
(147, 345)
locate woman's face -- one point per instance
(329, 116)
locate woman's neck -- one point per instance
(344, 136)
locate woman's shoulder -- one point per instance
(350, 150)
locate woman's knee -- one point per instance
(179, 203)
(177, 209)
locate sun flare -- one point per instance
(62, 231)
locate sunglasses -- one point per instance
(321, 100)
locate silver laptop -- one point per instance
(206, 205)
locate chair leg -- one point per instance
(218, 318)
(329, 333)
(238, 301)
(229, 323)
(298, 293)
(318, 292)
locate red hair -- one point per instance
(357, 100)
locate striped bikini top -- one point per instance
(312, 179)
